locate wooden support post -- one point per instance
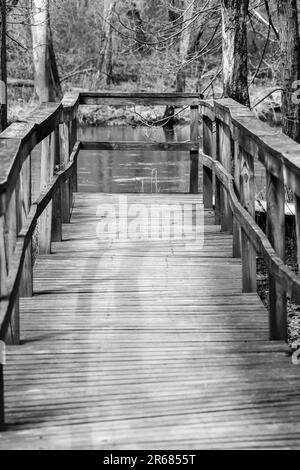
(56, 235)
(66, 197)
(2, 414)
(26, 283)
(297, 213)
(247, 199)
(224, 149)
(276, 235)
(218, 208)
(236, 247)
(10, 238)
(73, 140)
(47, 166)
(194, 155)
(207, 172)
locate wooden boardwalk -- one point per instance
(146, 345)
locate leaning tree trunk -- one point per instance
(235, 64)
(46, 79)
(3, 68)
(290, 65)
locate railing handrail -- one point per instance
(235, 138)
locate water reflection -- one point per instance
(140, 171)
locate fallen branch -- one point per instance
(266, 96)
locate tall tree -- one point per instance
(3, 67)
(107, 56)
(184, 44)
(290, 65)
(235, 56)
(46, 78)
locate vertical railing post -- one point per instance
(224, 149)
(73, 140)
(66, 199)
(56, 235)
(236, 229)
(10, 239)
(2, 416)
(207, 172)
(47, 167)
(194, 155)
(2, 409)
(297, 213)
(247, 199)
(276, 235)
(26, 283)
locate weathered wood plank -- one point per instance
(247, 199)
(146, 99)
(124, 364)
(276, 235)
(141, 146)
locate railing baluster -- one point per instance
(247, 199)
(236, 229)
(10, 238)
(276, 235)
(66, 198)
(56, 235)
(297, 213)
(207, 172)
(25, 204)
(224, 151)
(194, 155)
(47, 165)
(73, 140)
(2, 420)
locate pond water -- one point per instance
(134, 171)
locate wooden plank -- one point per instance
(194, 155)
(276, 235)
(146, 99)
(141, 146)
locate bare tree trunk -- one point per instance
(106, 65)
(184, 45)
(235, 63)
(3, 68)
(47, 85)
(290, 65)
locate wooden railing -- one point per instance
(54, 127)
(233, 138)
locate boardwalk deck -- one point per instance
(146, 345)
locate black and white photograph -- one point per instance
(149, 228)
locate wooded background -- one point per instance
(248, 50)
